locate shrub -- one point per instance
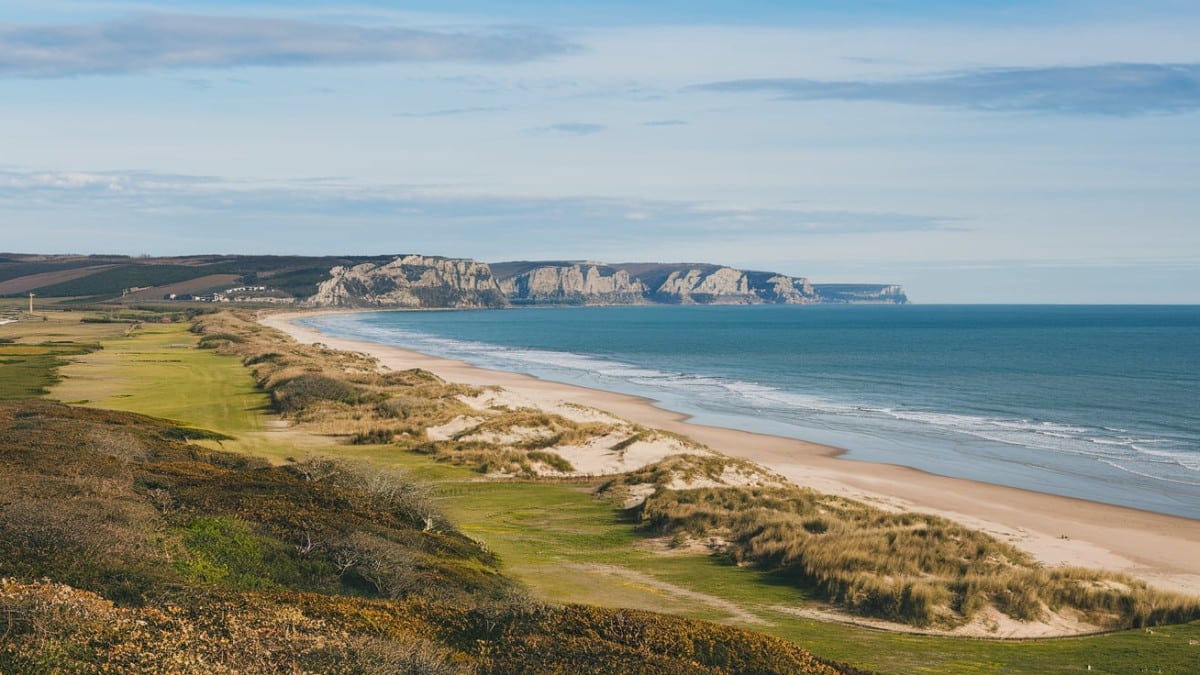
(223, 550)
(303, 391)
(215, 340)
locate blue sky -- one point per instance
(1011, 151)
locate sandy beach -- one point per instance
(1161, 549)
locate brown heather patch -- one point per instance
(128, 550)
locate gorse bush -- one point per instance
(226, 551)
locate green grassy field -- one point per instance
(158, 371)
(569, 546)
(33, 348)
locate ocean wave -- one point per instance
(1111, 445)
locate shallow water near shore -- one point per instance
(1101, 403)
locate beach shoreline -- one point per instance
(1163, 550)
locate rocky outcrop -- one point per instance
(573, 284)
(712, 284)
(724, 285)
(592, 283)
(411, 281)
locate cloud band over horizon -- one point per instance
(1108, 89)
(155, 41)
(156, 203)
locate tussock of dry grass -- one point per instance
(906, 567)
(344, 393)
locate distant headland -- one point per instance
(413, 281)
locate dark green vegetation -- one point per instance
(112, 281)
(308, 566)
(111, 275)
(30, 368)
(906, 567)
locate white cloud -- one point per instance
(1107, 89)
(150, 42)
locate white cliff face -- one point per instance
(419, 281)
(724, 286)
(790, 290)
(412, 281)
(584, 283)
(878, 294)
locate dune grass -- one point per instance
(559, 540)
(564, 544)
(907, 567)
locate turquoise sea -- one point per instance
(1096, 402)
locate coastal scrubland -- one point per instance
(904, 567)
(671, 535)
(131, 548)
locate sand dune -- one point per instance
(1161, 549)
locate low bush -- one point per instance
(303, 391)
(214, 340)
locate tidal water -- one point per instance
(1098, 402)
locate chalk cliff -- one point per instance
(423, 282)
(570, 284)
(691, 284)
(861, 294)
(411, 281)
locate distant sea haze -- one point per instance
(1101, 403)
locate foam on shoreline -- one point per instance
(1164, 550)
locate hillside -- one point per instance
(269, 607)
(408, 281)
(125, 535)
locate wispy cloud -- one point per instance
(665, 123)
(570, 129)
(146, 42)
(1109, 89)
(451, 112)
(252, 212)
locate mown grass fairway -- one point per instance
(568, 546)
(157, 370)
(33, 348)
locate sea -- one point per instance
(1096, 402)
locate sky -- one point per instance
(1005, 151)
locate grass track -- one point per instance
(568, 546)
